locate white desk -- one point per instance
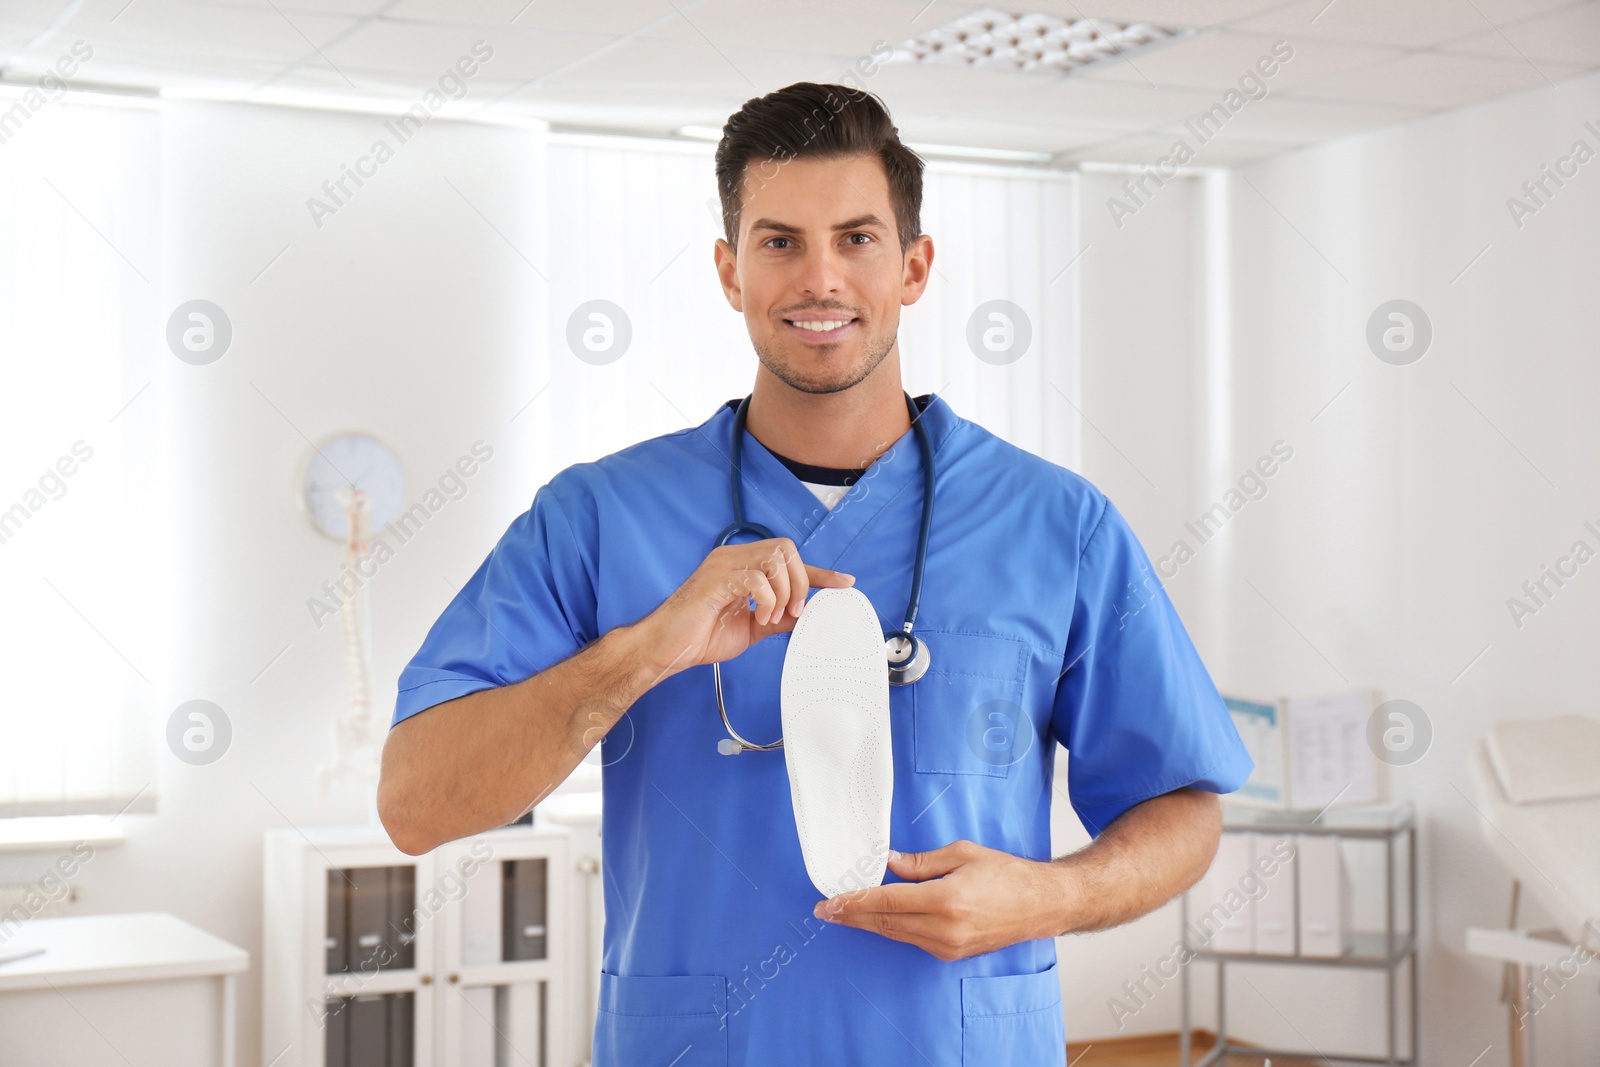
(151, 962)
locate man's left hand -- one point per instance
(957, 901)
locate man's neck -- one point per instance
(846, 430)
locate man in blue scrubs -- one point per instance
(595, 618)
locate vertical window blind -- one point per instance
(79, 614)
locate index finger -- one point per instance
(896, 897)
(823, 578)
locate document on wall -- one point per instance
(1260, 728)
(1329, 758)
(1310, 752)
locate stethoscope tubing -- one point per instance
(741, 526)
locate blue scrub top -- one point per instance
(1046, 625)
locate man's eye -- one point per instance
(770, 240)
(868, 236)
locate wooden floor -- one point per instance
(1160, 1050)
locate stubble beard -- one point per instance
(774, 359)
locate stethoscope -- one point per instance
(907, 653)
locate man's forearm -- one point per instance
(479, 761)
(1149, 855)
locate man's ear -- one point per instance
(727, 262)
(918, 267)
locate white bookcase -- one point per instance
(436, 977)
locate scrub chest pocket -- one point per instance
(648, 1019)
(967, 711)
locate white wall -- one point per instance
(1426, 494)
(406, 316)
(1406, 518)
(1143, 379)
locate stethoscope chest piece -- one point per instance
(908, 657)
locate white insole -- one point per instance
(836, 741)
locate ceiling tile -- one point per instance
(424, 51)
(989, 133)
(1137, 150)
(643, 65)
(614, 17)
(1294, 120)
(227, 78)
(671, 70)
(1100, 104)
(1170, 13)
(1432, 80)
(1503, 12)
(946, 89)
(353, 8)
(1230, 151)
(1571, 35)
(829, 27)
(174, 31)
(1150, 150)
(23, 20)
(1394, 23)
(1216, 60)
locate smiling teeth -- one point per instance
(823, 326)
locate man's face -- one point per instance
(818, 273)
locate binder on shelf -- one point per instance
(368, 1031)
(1225, 921)
(522, 901)
(335, 1023)
(1276, 929)
(402, 1025)
(401, 923)
(338, 917)
(1324, 898)
(369, 917)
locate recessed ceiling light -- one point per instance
(1035, 42)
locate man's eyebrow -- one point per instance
(857, 223)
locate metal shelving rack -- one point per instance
(1383, 950)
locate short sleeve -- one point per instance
(529, 605)
(1136, 709)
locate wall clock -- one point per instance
(345, 461)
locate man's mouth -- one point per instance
(818, 328)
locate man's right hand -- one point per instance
(708, 619)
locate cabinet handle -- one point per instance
(427, 979)
(455, 978)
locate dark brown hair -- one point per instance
(811, 121)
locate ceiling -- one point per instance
(652, 66)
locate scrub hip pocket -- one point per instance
(676, 1019)
(1014, 1019)
(967, 711)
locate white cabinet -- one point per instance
(472, 955)
(105, 989)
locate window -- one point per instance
(80, 617)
